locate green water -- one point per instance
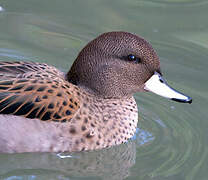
(171, 142)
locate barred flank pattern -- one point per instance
(29, 90)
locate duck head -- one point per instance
(118, 64)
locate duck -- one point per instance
(88, 108)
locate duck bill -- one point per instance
(159, 86)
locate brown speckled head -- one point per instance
(115, 64)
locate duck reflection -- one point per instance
(112, 163)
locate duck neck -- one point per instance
(99, 87)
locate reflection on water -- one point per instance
(112, 163)
(171, 142)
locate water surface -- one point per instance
(171, 142)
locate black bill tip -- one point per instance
(188, 100)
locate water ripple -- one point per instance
(175, 140)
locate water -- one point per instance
(171, 142)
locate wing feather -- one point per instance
(30, 91)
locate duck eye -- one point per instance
(132, 57)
